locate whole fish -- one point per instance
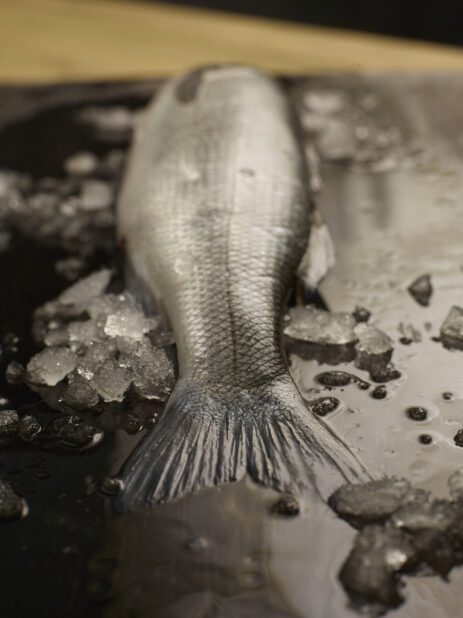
(215, 215)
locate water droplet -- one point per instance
(324, 405)
(110, 485)
(379, 392)
(417, 413)
(458, 437)
(286, 506)
(131, 424)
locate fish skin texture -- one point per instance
(215, 215)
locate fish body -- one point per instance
(215, 215)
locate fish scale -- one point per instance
(215, 216)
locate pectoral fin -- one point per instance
(319, 256)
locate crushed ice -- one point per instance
(335, 338)
(402, 531)
(345, 127)
(99, 348)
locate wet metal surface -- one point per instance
(389, 151)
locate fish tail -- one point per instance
(205, 438)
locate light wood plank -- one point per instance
(60, 40)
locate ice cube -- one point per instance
(14, 373)
(314, 333)
(120, 317)
(421, 290)
(110, 123)
(96, 355)
(154, 376)
(84, 333)
(9, 423)
(74, 432)
(12, 506)
(451, 331)
(126, 324)
(81, 163)
(337, 141)
(373, 351)
(56, 337)
(50, 366)
(369, 573)
(95, 195)
(374, 501)
(436, 515)
(325, 102)
(317, 326)
(86, 289)
(29, 428)
(79, 393)
(112, 381)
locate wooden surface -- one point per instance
(60, 40)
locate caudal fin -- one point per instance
(205, 439)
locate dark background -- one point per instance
(433, 21)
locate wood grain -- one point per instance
(62, 40)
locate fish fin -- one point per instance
(319, 256)
(149, 300)
(139, 291)
(205, 438)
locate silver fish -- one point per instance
(215, 215)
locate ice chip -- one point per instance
(95, 194)
(86, 289)
(79, 393)
(56, 337)
(120, 316)
(318, 326)
(112, 381)
(107, 304)
(29, 428)
(74, 432)
(126, 324)
(14, 372)
(81, 164)
(325, 102)
(337, 141)
(451, 331)
(12, 506)
(421, 290)
(368, 574)
(84, 333)
(94, 357)
(437, 515)
(9, 423)
(50, 366)
(154, 376)
(372, 502)
(110, 123)
(373, 351)
(327, 337)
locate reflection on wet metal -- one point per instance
(390, 156)
(173, 557)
